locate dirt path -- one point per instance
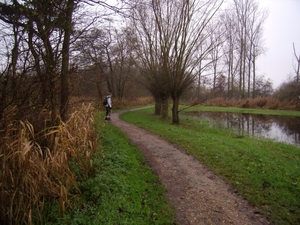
(198, 195)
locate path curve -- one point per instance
(198, 195)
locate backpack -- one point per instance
(105, 101)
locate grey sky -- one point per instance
(282, 28)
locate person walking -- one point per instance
(108, 106)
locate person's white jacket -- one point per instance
(109, 103)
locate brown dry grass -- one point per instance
(32, 170)
(117, 103)
(133, 102)
(263, 103)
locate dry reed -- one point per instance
(142, 101)
(32, 171)
(261, 102)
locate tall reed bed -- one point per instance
(123, 103)
(260, 102)
(35, 165)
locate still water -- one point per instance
(279, 128)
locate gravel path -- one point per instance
(197, 194)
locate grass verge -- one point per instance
(122, 189)
(266, 173)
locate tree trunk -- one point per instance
(241, 67)
(198, 94)
(253, 72)
(175, 114)
(249, 72)
(298, 64)
(65, 62)
(158, 107)
(164, 108)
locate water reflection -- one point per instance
(279, 128)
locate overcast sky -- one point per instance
(282, 29)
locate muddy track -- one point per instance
(198, 195)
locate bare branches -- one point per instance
(297, 69)
(178, 33)
(244, 30)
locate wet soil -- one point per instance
(198, 195)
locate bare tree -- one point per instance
(91, 56)
(244, 32)
(178, 31)
(150, 56)
(111, 52)
(64, 74)
(297, 68)
(215, 52)
(49, 30)
(229, 49)
(257, 18)
(47, 27)
(16, 89)
(124, 60)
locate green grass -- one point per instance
(130, 192)
(266, 173)
(122, 188)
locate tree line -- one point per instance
(52, 50)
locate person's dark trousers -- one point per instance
(108, 112)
